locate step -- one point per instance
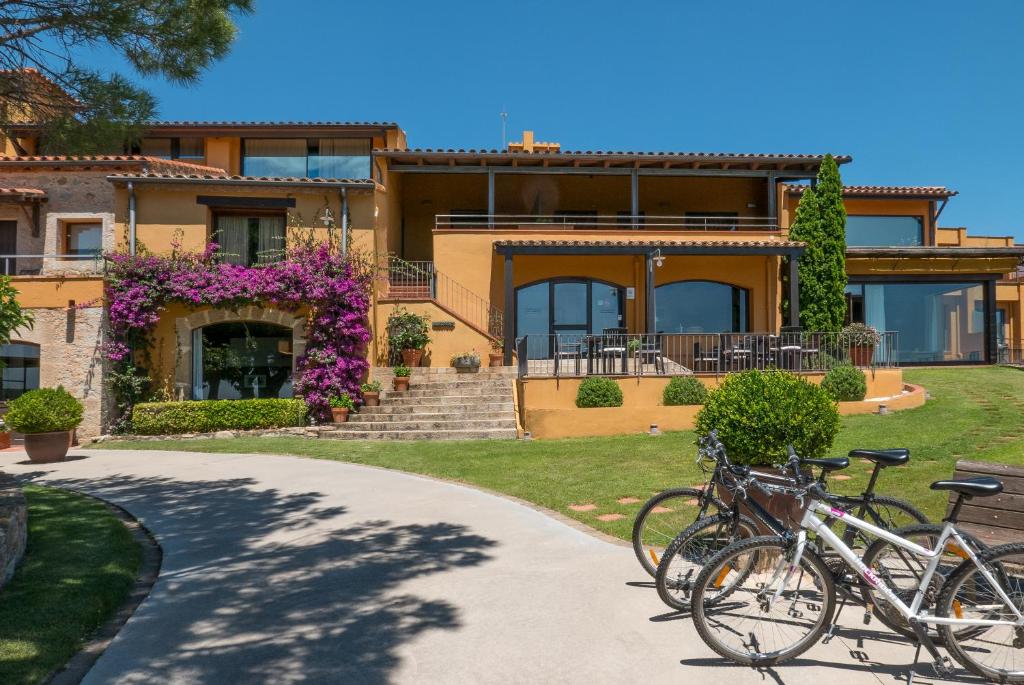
(440, 408)
(450, 392)
(365, 414)
(494, 386)
(418, 425)
(465, 434)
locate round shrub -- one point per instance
(599, 392)
(46, 410)
(845, 383)
(758, 413)
(684, 390)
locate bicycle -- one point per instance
(782, 597)
(685, 555)
(666, 514)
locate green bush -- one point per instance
(758, 413)
(46, 410)
(342, 402)
(407, 331)
(845, 383)
(202, 416)
(599, 392)
(684, 390)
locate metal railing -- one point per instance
(35, 264)
(1011, 356)
(420, 280)
(677, 354)
(606, 222)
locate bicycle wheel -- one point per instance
(661, 519)
(896, 513)
(902, 572)
(748, 624)
(995, 653)
(686, 555)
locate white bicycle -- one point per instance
(771, 598)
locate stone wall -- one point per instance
(13, 527)
(70, 350)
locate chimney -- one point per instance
(527, 144)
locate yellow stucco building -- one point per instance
(525, 247)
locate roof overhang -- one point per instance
(951, 261)
(924, 251)
(643, 247)
(22, 196)
(888, 192)
(253, 128)
(782, 166)
(243, 181)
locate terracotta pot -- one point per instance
(44, 448)
(496, 359)
(340, 414)
(786, 508)
(860, 355)
(401, 383)
(412, 358)
(371, 399)
(5, 440)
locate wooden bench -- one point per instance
(995, 520)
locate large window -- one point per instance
(700, 307)
(83, 238)
(306, 158)
(571, 308)
(188, 149)
(241, 360)
(935, 322)
(20, 369)
(884, 231)
(249, 240)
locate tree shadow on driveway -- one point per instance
(263, 586)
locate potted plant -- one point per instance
(861, 341)
(466, 362)
(48, 418)
(371, 393)
(408, 332)
(496, 357)
(401, 379)
(5, 436)
(341, 406)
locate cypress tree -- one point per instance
(820, 221)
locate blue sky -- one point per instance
(918, 92)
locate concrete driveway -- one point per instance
(292, 570)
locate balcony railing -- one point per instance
(678, 354)
(36, 264)
(605, 222)
(1011, 356)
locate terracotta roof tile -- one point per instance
(651, 243)
(713, 156)
(38, 192)
(248, 124)
(234, 179)
(156, 163)
(886, 191)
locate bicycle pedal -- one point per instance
(867, 617)
(943, 667)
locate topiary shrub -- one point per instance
(46, 410)
(845, 383)
(202, 416)
(758, 413)
(599, 392)
(683, 390)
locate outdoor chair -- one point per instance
(568, 351)
(614, 345)
(649, 351)
(705, 359)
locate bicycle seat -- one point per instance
(830, 464)
(982, 486)
(893, 457)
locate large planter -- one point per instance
(466, 365)
(786, 508)
(400, 383)
(861, 355)
(412, 358)
(339, 414)
(45, 448)
(496, 359)
(5, 440)
(371, 399)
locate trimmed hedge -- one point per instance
(204, 416)
(845, 383)
(599, 392)
(758, 413)
(684, 390)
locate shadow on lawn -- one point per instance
(259, 585)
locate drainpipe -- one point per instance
(131, 218)
(344, 221)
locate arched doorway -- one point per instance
(241, 360)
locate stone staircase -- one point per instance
(440, 404)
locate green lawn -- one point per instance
(80, 564)
(976, 413)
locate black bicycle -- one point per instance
(684, 557)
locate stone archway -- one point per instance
(183, 327)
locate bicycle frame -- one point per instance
(812, 523)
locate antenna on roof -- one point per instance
(504, 127)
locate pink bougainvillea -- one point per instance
(333, 288)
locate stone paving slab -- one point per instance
(292, 570)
